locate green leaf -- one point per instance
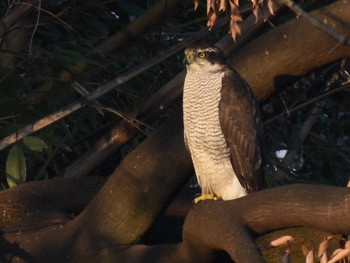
(35, 144)
(15, 167)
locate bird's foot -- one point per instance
(205, 197)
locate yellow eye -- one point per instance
(201, 54)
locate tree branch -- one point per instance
(100, 91)
(279, 57)
(209, 226)
(152, 108)
(306, 103)
(342, 39)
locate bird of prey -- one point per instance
(222, 126)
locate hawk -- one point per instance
(222, 126)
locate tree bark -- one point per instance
(209, 226)
(139, 190)
(43, 203)
(259, 69)
(18, 26)
(126, 206)
(279, 57)
(15, 30)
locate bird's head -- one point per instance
(203, 57)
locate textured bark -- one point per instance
(44, 203)
(160, 11)
(139, 190)
(265, 73)
(17, 27)
(209, 226)
(15, 30)
(278, 57)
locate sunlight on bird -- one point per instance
(222, 126)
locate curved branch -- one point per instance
(342, 39)
(209, 226)
(222, 225)
(279, 57)
(132, 199)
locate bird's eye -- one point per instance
(201, 55)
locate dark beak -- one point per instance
(186, 60)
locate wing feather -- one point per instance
(242, 127)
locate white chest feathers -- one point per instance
(204, 137)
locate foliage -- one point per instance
(37, 86)
(214, 8)
(65, 37)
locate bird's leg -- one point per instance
(203, 197)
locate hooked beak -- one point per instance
(187, 59)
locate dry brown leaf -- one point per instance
(223, 6)
(255, 8)
(255, 11)
(271, 6)
(324, 246)
(196, 4)
(344, 253)
(347, 244)
(282, 241)
(236, 17)
(305, 249)
(335, 252)
(324, 258)
(310, 257)
(212, 16)
(210, 6)
(216, 6)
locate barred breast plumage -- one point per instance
(211, 150)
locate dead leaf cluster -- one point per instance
(215, 7)
(341, 255)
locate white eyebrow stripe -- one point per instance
(209, 49)
(199, 49)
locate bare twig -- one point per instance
(102, 90)
(289, 111)
(342, 39)
(9, 117)
(128, 118)
(35, 27)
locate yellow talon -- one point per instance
(205, 197)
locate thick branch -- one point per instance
(161, 10)
(215, 224)
(43, 203)
(278, 57)
(209, 226)
(132, 199)
(342, 39)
